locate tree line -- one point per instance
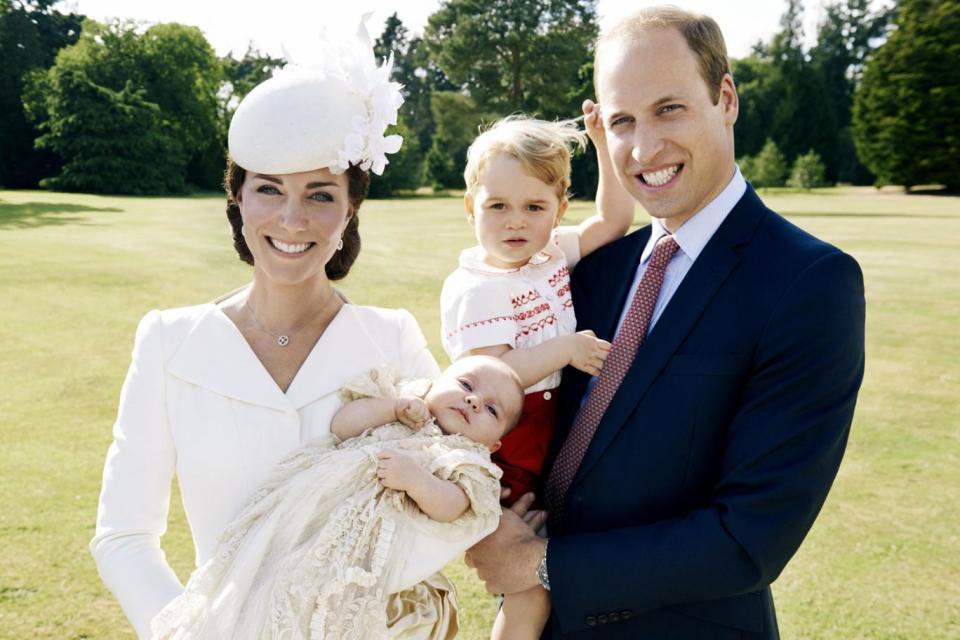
(128, 108)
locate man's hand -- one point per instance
(399, 471)
(508, 558)
(588, 352)
(412, 411)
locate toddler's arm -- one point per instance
(614, 204)
(522, 616)
(441, 500)
(356, 417)
(582, 350)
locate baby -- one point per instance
(346, 539)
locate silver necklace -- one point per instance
(283, 339)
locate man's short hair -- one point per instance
(702, 34)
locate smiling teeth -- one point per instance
(662, 177)
(290, 248)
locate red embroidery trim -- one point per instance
(529, 296)
(479, 323)
(558, 277)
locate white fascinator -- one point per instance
(331, 111)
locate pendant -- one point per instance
(283, 340)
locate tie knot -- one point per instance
(663, 252)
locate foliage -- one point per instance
(906, 112)
(497, 54)
(128, 113)
(747, 166)
(802, 100)
(515, 55)
(808, 172)
(769, 166)
(845, 37)
(31, 33)
(405, 169)
(458, 121)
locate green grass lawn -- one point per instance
(77, 272)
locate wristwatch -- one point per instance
(542, 575)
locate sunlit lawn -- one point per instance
(77, 272)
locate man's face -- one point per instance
(671, 146)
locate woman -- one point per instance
(221, 391)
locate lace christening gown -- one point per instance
(323, 550)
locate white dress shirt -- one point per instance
(198, 402)
(692, 237)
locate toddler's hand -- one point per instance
(412, 411)
(398, 470)
(588, 352)
(594, 124)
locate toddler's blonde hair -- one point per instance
(541, 147)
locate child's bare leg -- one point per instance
(522, 616)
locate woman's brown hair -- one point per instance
(358, 184)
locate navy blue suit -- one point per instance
(719, 448)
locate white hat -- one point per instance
(331, 112)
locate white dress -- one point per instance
(320, 547)
(199, 404)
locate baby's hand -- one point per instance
(593, 124)
(412, 411)
(588, 352)
(398, 470)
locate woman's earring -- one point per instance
(340, 244)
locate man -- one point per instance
(686, 475)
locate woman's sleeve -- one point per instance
(482, 316)
(135, 496)
(416, 361)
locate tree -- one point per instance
(458, 122)
(845, 38)
(769, 167)
(516, 55)
(906, 112)
(168, 77)
(808, 172)
(405, 169)
(31, 33)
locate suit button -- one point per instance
(614, 617)
(626, 615)
(547, 395)
(602, 619)
(591, 621)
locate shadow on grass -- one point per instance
(40, 214)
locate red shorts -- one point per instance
(524, 450)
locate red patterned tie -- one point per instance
(624, 349)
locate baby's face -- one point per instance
(476, 398)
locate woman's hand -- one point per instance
(588, 352)
(412, 411)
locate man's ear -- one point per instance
(495, 447)
(729, 99)
(468, 206)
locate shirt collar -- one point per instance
(473, 260)
(696, 232)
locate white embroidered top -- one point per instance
(484, 306)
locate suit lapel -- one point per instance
(712, 267)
